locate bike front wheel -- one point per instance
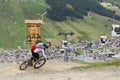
(39, 63)
(24, 65)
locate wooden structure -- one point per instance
(33, 31)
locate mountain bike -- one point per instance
(36, 63)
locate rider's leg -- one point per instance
(34, 56)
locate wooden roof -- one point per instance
(33, 21)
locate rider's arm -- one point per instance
(43, 53)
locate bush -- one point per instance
(79, 52)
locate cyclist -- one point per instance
(40, 47)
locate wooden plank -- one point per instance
(34, 21)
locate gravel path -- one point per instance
(57, 71)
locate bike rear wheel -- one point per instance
(24, 65)
(39, 63)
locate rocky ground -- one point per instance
(57, 71)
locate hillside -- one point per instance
(13, 29)
(117, 2)
(59, 10)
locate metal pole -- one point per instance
(66, 55)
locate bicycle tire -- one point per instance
(24, 65)
(38, 63)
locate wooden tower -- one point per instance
(33, 31)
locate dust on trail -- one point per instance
(57, 71)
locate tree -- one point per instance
(60, 9)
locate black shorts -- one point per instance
(35, 55)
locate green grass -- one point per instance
(114, 1)
(98, 64)
(11, 12)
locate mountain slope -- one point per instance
(13, 29)
(61, 9)
(114, 1)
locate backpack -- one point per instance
(33, 47)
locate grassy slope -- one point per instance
(114, 1)
(97, 64)
(13, 15)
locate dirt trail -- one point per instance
(57, 71)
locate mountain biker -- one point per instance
(39, 47)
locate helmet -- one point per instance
(47, 44)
